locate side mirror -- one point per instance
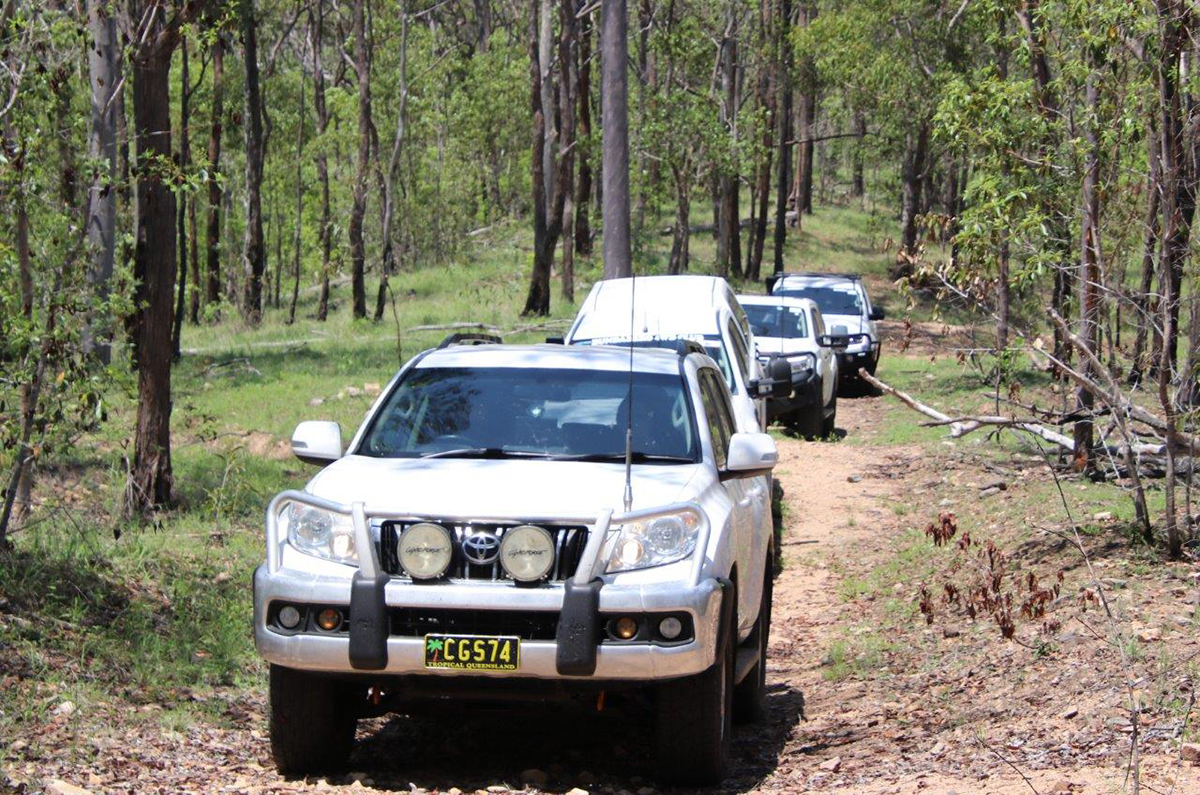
(750, 455)
(877, 313)
(831, 341)
(317, 442)
(556, 340)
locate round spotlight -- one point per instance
(289, 617)
(625, 627)
(329, 619)
(425, 550)
(670, 627)
(527, 553)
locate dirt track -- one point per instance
(863, 734)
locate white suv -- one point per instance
(793, 330)
(484, 534)
(849, 316)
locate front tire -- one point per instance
(312, 722)
(829, 424)
(693, 720)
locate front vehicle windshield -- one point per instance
(503, 412)
(831, 300)
(774, 320)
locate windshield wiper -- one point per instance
(636, 457)
(493, 452)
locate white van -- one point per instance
(668, 308)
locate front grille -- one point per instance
(568, 547)
(525, 624)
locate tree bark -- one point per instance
(618, 252)
(150, 478)
(1089, 281)
(299, 226)
(729, 244)
(916, 145)
(1146, 344)
(213, 242)
(358, 254)
(102, 147)
(568, 52)
(583, 229)
(388, 209)
(857, 184)
(680, 239)
(253, 250)
(806, 124)
(783, 124)
(316, 25)
(184, 161)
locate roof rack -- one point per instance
(682, 347)
(470, 338)
(775, 277)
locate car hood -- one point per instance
(854, 324)
(767, 346)
(472, 487)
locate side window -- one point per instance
(724, 411)
(739, 314)
(818, 322)
(739, 350)
(710, 393)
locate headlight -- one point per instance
(527, 553)
(324, 534)
(654, 542)
(425, 550)
(801, 362)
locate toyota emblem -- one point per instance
(481, 548)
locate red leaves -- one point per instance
(944, 530)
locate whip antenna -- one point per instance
(629, 399)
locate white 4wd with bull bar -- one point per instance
(524, 521)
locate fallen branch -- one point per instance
(961, 426)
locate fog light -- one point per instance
(625, 628)
(289, 617)
(670, 627)
(329, 619)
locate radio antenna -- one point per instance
(629, 400)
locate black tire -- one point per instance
(777, 527)
(750, 695)
(829, 424)
(312, 722)
(694, 715)
(809, 421)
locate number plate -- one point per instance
(473, 652)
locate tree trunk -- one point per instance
(1144, 347)
(358, 254)
(102, 148)
(857, 184)
(316, 24)
(568, 53)
(150, 478)
(388, 209)
(1002, 295)
(729, 244)
(254, 250)
(806, 123)
(583, 229)
(213, 242)
(299, 226)
(1089, 281)
(549, 190)
(185, 158)
(618, 251)
(783, 125)
(680, 238)
(916, 144)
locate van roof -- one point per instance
(582, 357)
(662, 306)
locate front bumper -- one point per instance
(806, 392)
(849, 362)
(581, 605)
